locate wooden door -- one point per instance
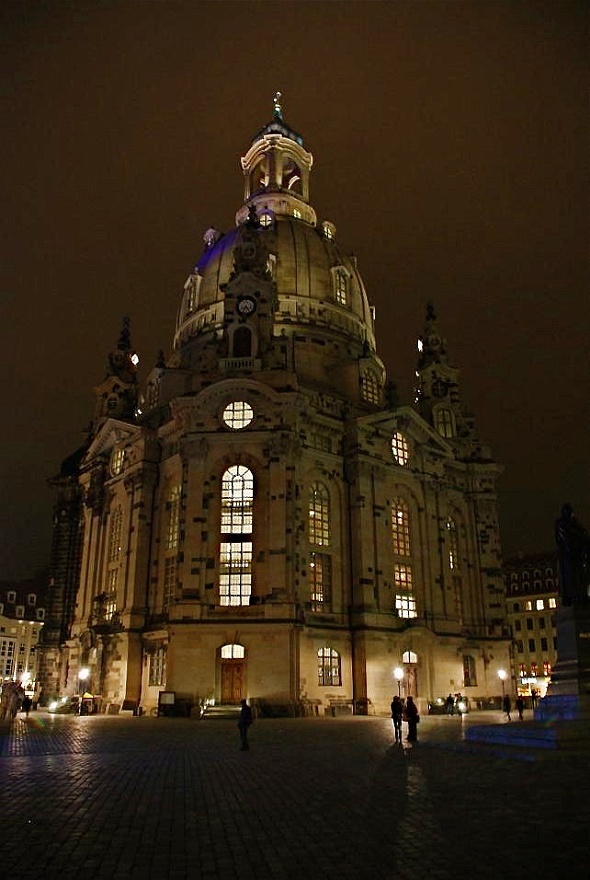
(232, 681)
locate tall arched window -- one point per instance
(320, 562)
(242, 342)
(340, 286)
(173, 525)
(444, 422)
(235, 554)
(115, 534)
(400, 527)
(452, 539)
(329, 671)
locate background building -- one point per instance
(267, 520)
(532, 595)
(22, 615)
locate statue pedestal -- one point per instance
(568, 695)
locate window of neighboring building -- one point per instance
(235, 556)
(40, 613)
(20, 611)
(400, 448)
(7, 651)
(540, 604)
(528, 605)
(529, 623)
(532, 646)
(515, 606)
(329, 671)
(320, 580)
(543, 644)
(31, 599)
(533, 668)
(517, 625)
(11, 596)
(519, 646)
(552, 602)
(469, 671)
(542, 623)
(546, 668)
(400, 527)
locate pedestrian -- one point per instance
(450, 704)
(26, 705)
(412, 718)
(396, 715)
(507, 706)
(244, 722)
(520, 706)
(534, 696)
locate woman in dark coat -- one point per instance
(412, 718)
(396, 715)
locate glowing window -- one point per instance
(117, 461)
(320, 580)
(232, 652)
(533, 668)
(237, 498)
(400, 527)
(552, 602)
(341, 286)
(444, 422)
(329, 672)
(402, 577)
(235, 572)
(112, 579)
(546, 668)
(173, 525)
(400, 448)
(297, 214)
(528, 605)
(540, 604)
(409, 657)
(115, 534)
(238, 414)
(405, 605)
(319, 515)
(265, 219)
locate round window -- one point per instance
(238, 414)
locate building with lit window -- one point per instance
(532, 596)
(264, 519)
(22, 616)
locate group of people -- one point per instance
(405, 711)
(13, 699)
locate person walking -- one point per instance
(412, 718)
(450, 704)
(396, 716)
(507, 706)
(244, 722)
(520, 706)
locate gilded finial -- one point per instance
(278, 110)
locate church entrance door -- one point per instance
(232, 681)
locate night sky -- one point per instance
(451, 150)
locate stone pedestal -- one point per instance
(568, 695)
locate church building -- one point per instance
(265, 520)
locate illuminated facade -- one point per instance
(266, 521)
(532, 597)
(22, 616)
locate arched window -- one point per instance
(453, 555)
(232, 652)
(235, 554)
(400, 527)
(469, 671)
(329, 671)
(409, 657)
(340, 286)
(405, 602)
(173, 527)
(320, 562)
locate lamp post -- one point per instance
(398, 673)
(502, 675)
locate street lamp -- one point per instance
(398, 673)
(502, 675)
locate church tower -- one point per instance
(269, 522)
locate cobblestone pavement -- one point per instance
(121, 797)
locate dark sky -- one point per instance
(451, 150)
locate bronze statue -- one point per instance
(573, 547)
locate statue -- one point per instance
(573, 547)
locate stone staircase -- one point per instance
(220, 710)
